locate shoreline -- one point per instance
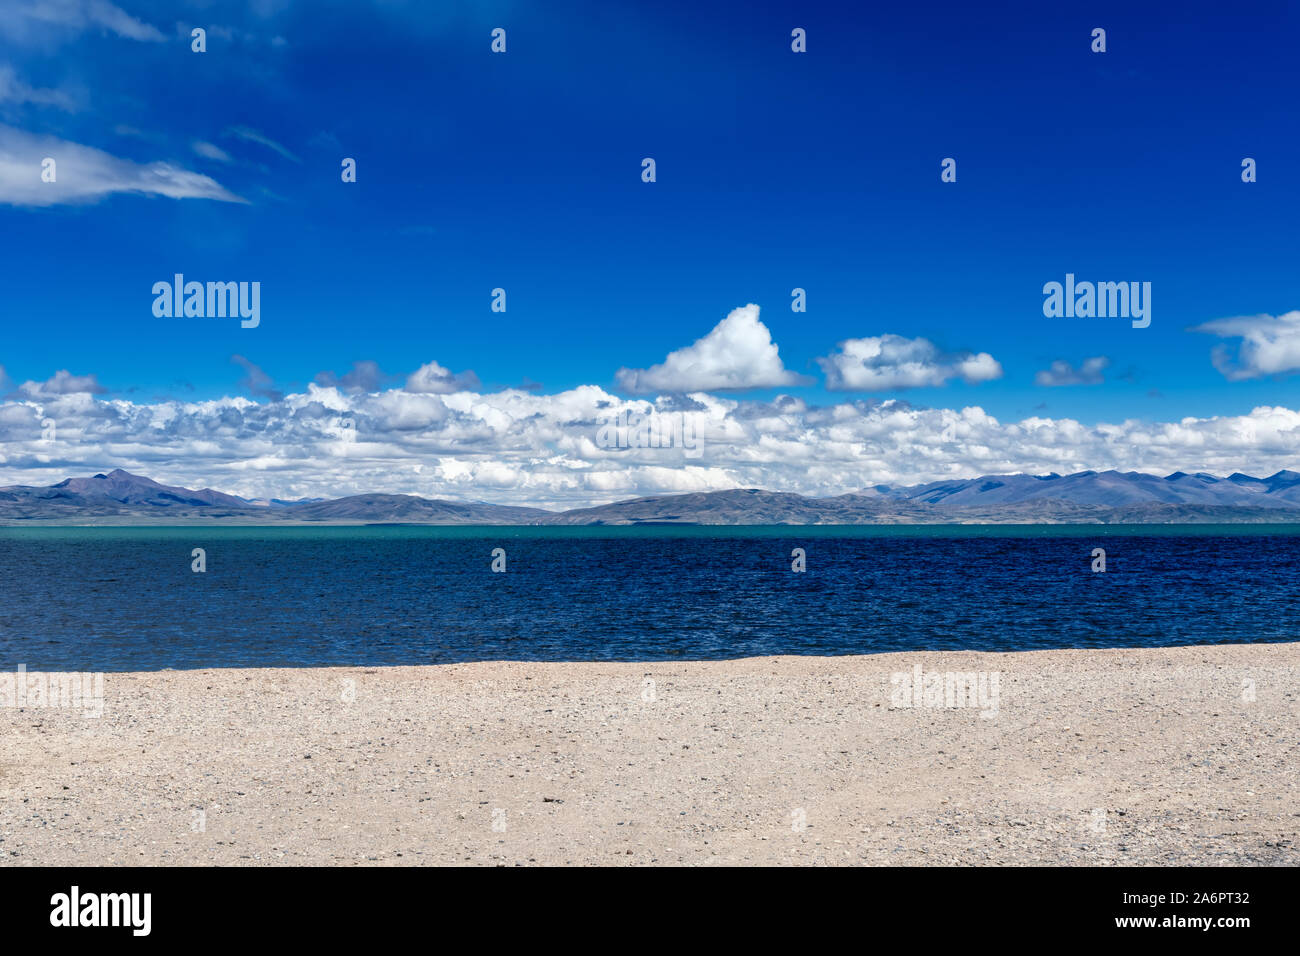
(1154, 756)
(561, 529)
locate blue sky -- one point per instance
(775, 170)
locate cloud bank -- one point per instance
(518, 447)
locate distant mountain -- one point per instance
(746, 506)
(115, 493)
(122, 498)
(1111, 489)
(1083, 498)
(281, 502)
(413, 510)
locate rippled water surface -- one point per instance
(126, 599)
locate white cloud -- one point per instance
(253, 136)
(517, 447)
(974, 369)
(1061, 372)
(887, 362)
(62, 382)
(85, 174)
(433, 379)
(738, 354)
(1270, 345)
(21, 18)
(208, 151)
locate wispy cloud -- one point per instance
(84, 174)
(256, 382)
(737, 354)
(253, 136)
(25, 19)
(14, 90)
(208, 151)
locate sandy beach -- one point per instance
(1117, 757)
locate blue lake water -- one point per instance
(127, 599)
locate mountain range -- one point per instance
(1083, 498)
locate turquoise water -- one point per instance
(341, 533)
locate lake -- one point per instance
(105, 599)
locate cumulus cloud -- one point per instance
(433, 379)
(738, 354)
(888, 362)
(1270, 345)
(62, 382)
(1062, 372)
(24, 19)
(85, 174)
(517, 447)
(253, 136)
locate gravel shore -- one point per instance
(1114, 757)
